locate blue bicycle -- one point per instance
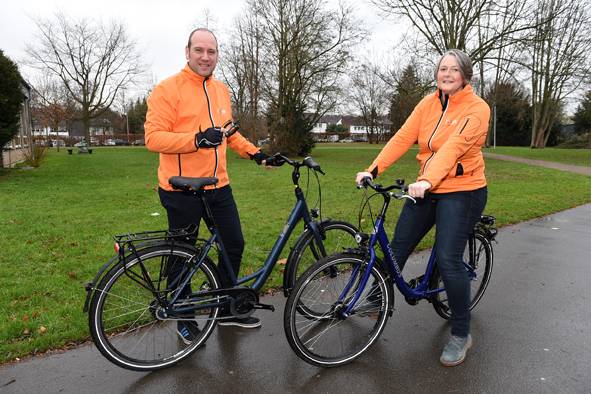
(134, 304)
(341, 304)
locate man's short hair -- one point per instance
(202, 29)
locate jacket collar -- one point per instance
(459, 96)
(192, 75)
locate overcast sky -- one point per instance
(160, 27)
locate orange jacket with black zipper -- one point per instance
(179, 107)
(450, 134)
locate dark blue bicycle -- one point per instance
(134, 307)
(341, 304)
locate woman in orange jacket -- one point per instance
(450, 127)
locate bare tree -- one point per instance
(241, 68)
(368, 95)
(478, 27)
(51, 104)
(94, 61)
(559, 62)
(306, 50)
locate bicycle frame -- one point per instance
(299, 212)
(379, 237)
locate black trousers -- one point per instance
(184, 209)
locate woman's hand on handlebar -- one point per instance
(361, 176)
(418, 189)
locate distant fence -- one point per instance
(95, 140)
(10, 157)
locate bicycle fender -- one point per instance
(89, 287)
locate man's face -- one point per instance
(202, 55)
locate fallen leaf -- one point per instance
(42, 330)
(26, 318)
(282, 261)
(26, 332)
(72, 275)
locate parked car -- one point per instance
(139, 142)
(120, 142)
(109, 142)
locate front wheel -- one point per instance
(331, 337)
(128, 317)
(478, 261)
(336, 237)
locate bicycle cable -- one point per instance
(365, 201)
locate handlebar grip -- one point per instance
(365, 182)
(310, 163)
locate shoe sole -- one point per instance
(241, 325)
(454, 363)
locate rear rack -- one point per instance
(158, 235)
(487, 225)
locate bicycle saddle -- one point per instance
(191, 184)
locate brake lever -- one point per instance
(401, 196)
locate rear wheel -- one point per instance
(127, 316)
(478, 260)
(331, 338)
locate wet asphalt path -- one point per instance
(532, 334)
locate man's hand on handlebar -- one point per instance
(274, 161)
(418, 189)
(269, 161)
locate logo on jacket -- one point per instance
(449, 122)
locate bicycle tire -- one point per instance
(338, 235)
(332, 339)
(123, 312)
(479, 254)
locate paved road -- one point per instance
(583, 170)
(532, 334)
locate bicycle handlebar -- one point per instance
(307, 162)
(385, 191)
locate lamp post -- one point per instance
(127, 125)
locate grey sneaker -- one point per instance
(454, 352)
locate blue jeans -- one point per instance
(454, 216)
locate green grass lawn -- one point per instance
(580, 157)
(57, 221)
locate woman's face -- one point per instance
(449, 78)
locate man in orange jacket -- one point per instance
(184, 124)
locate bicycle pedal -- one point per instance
(264, 306)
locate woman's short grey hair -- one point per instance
(463, 61)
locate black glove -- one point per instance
(274, 161)
(209, 138)
(259, 157)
